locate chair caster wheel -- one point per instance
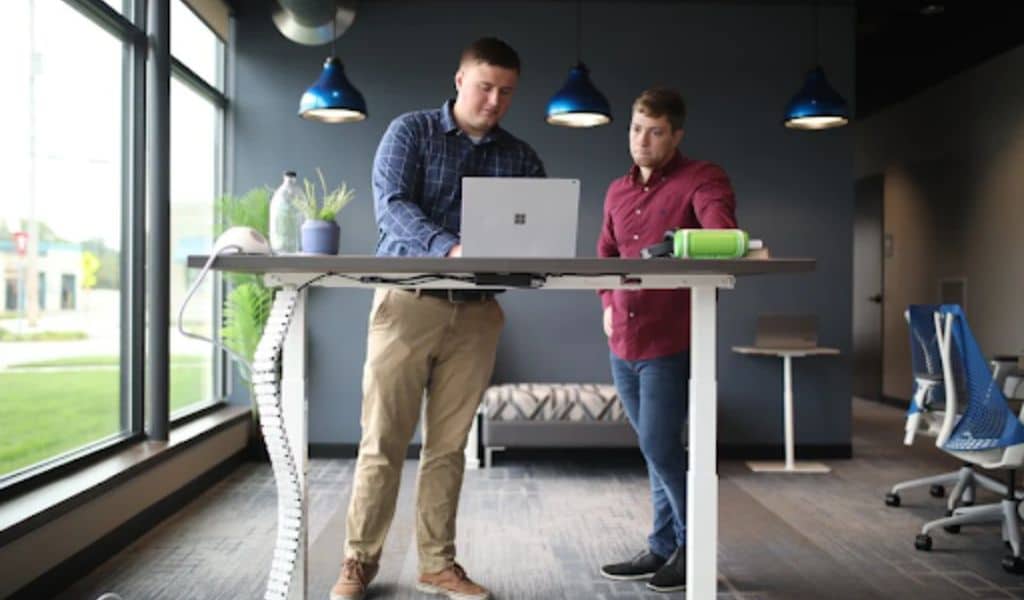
(923, 541)
(937, 491)
(1013, 564)
(892, 499)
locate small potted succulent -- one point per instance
(320, 231)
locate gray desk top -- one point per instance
(816, 351)
(551, 266)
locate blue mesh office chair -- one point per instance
(927, 413)
(987, 433)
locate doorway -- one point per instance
(868, 298)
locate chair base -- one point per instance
(963, 481)
(1004, 512)
(778, 466)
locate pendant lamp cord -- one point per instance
(817, 36)
(334, 35)
(579, 28)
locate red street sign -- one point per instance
(21, 242)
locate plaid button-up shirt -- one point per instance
(417, 178)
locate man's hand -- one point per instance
(608, 322)
(456, 251)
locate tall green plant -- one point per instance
(330, 203)
(247, 304)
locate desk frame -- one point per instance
(703, 278)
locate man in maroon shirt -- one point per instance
(649, 330)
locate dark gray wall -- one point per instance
(737, 65)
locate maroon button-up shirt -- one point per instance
(684, 193)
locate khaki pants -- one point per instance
(415, 343)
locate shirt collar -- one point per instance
(452, 128)
(659, 173)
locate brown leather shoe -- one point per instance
(452, 582)
(354, 578)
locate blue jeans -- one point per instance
(655, 395)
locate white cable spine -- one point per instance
(266, 369)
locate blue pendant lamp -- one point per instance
(579, 103)
(332, 98)
(817, 105)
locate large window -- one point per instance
(61, 114)
(196, 46)
(196, 125)
(68, 142)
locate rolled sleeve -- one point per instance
(714, 201)
(399, 215)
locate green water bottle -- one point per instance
(712, 243)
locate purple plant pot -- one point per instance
(320, 237)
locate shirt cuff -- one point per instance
(442, 244)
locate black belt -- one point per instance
(457, 296)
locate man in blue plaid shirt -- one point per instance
(440, 341)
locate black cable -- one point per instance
(371, 280)
(417, 279)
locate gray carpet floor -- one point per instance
(539, 527)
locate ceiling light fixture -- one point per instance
(579, 103)
(817, 105)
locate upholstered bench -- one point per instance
(553, 415)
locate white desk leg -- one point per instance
(294, 407)
(787, 407)
(702, 477)
(473, 444)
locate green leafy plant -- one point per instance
(246, 309)
(251, 209)
(247, 304)
(329, 205)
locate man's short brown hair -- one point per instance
(492, 51)
(660, 102)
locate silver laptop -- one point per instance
(786, 331)
(519, 217)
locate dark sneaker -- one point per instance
(641, 566)
(671, 577)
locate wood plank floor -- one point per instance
(537, 529)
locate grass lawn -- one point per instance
(53, 411)
(100, 361)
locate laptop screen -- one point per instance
(519, 217)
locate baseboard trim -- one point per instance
(893, 401)
(350, 451)
(86, 560)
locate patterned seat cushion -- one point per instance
(582, 402)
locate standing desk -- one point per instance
(280, 366)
